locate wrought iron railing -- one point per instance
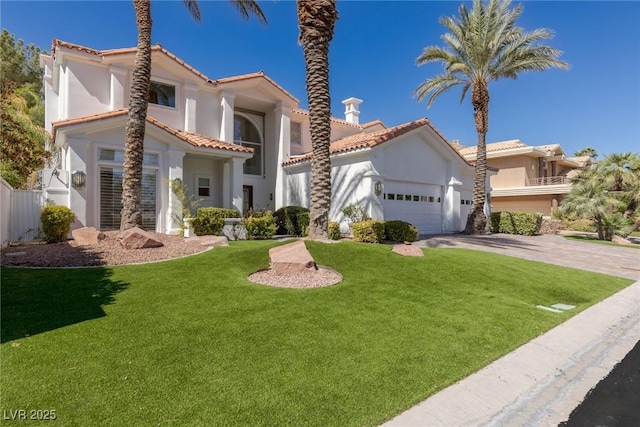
(549, 180)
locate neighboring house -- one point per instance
(530, 178)
(239, 142)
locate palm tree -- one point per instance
(316, 19)
(140, 81)
(591, 199)
(484, 45)
(586, 151)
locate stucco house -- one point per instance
(238, 142)
(530, 178)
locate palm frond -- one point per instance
(248, 8)
(436, 86)
(193, 8)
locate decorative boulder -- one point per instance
(620, 240)
(137, 238)
(407, 250)
(291, 258)
(87, 236)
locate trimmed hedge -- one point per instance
(334, 231)
(210, 221)
(524, 223)
(400, 231)
(368, 231)
(56, 223)
(287, 220)
(262, 227)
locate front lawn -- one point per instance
(192, 342)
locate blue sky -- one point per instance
(596, 103)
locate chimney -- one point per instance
(351, 112)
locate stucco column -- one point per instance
(117, 88)
(79, 198)
(174, 206)
(283, 134)
(190, 97)
(451, 207)
(226, 122)
(237, 179)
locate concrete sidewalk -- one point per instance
(540, 383)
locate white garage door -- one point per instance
(418, 204)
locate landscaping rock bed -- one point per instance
(106, 252)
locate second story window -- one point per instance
(296, 133)
(246, 133)
(162, 94)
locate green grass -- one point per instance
(192, 342)
(635, 234)
(590, 239)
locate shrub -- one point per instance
(334, 231)
(524, 223)
(355, 213)
(209, 221)
(56, 223)
(303, 223)
(400, 231)
(287, 220)
(262, 227)
(368, 231)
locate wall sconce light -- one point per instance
(78, 179)
(377, 188)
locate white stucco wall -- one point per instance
(194, 167)
(88, 88)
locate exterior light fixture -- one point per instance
(78, 179)
(377, 188)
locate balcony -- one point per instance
(549, 180)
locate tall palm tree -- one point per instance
(139, 96)
(482, 45)
(316, 19)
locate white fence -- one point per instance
(20, 214)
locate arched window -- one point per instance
(245, 133)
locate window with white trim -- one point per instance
(110, 189)
(162, 94)
(246, 133)
(203, 186)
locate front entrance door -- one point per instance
(247, 198)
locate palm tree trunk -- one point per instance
(316, 20)
(134, 140)
(477, 221)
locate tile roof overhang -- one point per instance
(367, 141)
(198, 141)
(257, 78)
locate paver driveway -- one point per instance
(554, 249)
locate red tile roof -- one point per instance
(194, 139)
(364, 140)
(302, 112)
(159, 48)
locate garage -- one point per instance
(418, 204)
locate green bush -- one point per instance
(400, 231)
(262, 227)
(524, 223)
(368, 231)
(303, 223)
(56, 223)
(334, 231)
(287, 220)
(208, 221)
